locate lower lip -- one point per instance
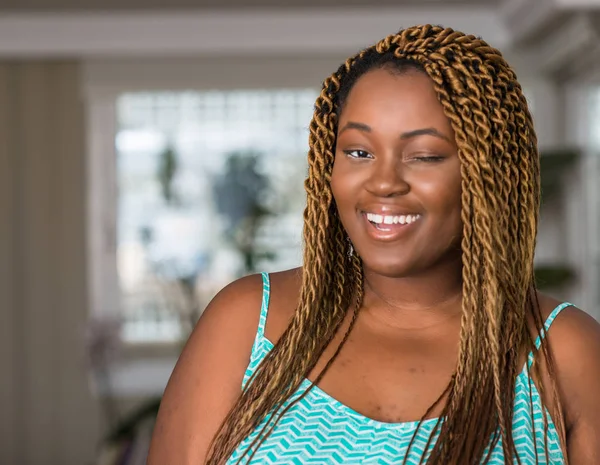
(388, 232)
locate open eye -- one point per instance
(358, 154)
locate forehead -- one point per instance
(407, 101)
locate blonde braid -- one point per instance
(320, 311)
(500, 202)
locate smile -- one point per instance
(379, 220)
(389, 227)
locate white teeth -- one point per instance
(388, 219)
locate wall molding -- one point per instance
(174, 33)
(525, 19)
(571, 49)
(531, 21)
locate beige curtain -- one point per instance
(48, 415)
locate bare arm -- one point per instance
(208, 376)
(576, 346)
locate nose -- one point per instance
(387, 179)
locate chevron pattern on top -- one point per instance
(321, 430)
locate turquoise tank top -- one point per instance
(321, 430)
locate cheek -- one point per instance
(335, 185)
(440, 190)
(342, 185)
(451, 192)
(338, 192)
(441, 195)
(343, 190)
(453, 206)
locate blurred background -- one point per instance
(150, 154)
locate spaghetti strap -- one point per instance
(265, 306)
(544, 330)
(259, 349)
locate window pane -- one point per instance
(593, 181)
(210, 188)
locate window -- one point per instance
(210, 187)
(593, 195)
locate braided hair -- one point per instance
(497, 149)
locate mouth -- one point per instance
(389, 227)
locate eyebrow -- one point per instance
(404, 136)
(353, 125)
(424, 132)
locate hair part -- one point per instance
(372, 60)
(497, 148)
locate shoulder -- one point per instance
(207, 379)
(236, 308)
(574, 340)
(233, 315)
(285, 293)
(230, 320)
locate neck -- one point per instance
(418, 300)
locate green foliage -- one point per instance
(128, 426)
(553, 165)
(240, 196)
(550, 277)
(167, 169)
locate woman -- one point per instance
(409, 334)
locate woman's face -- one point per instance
(396, 177)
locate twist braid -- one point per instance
(499, 167)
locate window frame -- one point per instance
(104, 82)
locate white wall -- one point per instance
(230, 32)
(48, 414)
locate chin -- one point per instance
(390, 268)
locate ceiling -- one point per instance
(104, 5)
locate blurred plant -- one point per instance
(192, 313)
(103, 345)
(554, 163)
(127, 438)
(167, 169)
(553, 277)
(240, 196)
